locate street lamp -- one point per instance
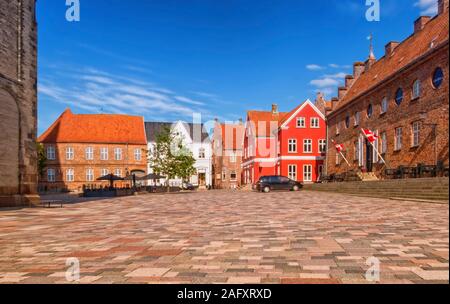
(423, 117)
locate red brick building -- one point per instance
(83, 147)
(289, 144)
(402, 97)
(227, 146)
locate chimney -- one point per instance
(341, 92)
(442, 7)
(349, 80)
(274, 108)
(358, 69)
(390, 47)
(419, 24)
(334, 102)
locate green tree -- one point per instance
(42, 159)
(170, 158)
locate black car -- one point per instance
(274, 183)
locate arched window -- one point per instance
(416, 89)
(384, 105)
(438, 78)
(347, 121)
(399, 96)
(357, 119)
(369, 111)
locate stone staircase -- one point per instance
(367, 177)
(428, 189)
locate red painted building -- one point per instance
(290, 144)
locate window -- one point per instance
(51, 153)
(307, 146)
(415, 134)
(338, 159)
(69, 153)
(357, 151)
(301, 122)
(337, 129)
(137, 154)
(51, 175)
(292, 146)
(89, 153)
(232, 157)
(104, 154)
(202, 153)
(70, 175)
(315, 123)
(292, 172)
(90, 175)
(357, 118)
(384, 146)
(438, 78)
(347, 121)
(224, 174)
(118, 154)
(384, 105)
(233, 175)
(104, 172)
(307, 173)
(399, 96)
(369, 111)
(118, 172)
(322, 146)
(416, 89)
(398, 139)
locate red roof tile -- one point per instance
(95, 128)
(435, 32)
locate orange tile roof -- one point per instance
(95, 128)
(232, 136)
(435, 31)
(257, 117)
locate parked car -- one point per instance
(188, 186)
(274, 183)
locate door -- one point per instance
(369, 156)
(202, 179)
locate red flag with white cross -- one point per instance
(371, 136)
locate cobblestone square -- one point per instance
(227, 237)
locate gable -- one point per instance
(306, 109)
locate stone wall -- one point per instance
(18, 102)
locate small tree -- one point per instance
(170, 158)
(42, 159)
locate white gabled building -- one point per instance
(196, 139)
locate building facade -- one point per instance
(196, 139)
(227, 145)
(80, 148)
(289, 144)
(402, 97)
(18, 103)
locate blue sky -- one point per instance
(166, 59)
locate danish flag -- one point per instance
(371, 137)
(339, 147)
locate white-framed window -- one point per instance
(338, 129)
(233, 176)
(137, 154)
(359, 151)
(104, 172)
(70, 175)
(376, 144)
(118, 153)
(89, 153)
(307, 146)
(301, 122)
(384, 144)
(292, 172)
(233, 157)
(51, 175)
(118, 172)
(70, 154)
(104, 153)
(357, 118)
(315, 122)
(90, 175)
(415, 134)
(416, 89)
(322, 145)
(338, 159)
(307, 173)
(398, 139)
(292, 146)
(202, 153)
(384, 105)
(51, 153)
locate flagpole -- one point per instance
(345, 159)
(373, 146)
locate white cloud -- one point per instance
(340, 75)
(324, 82)
(337, 66)
(427, 7)
(314, 67)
